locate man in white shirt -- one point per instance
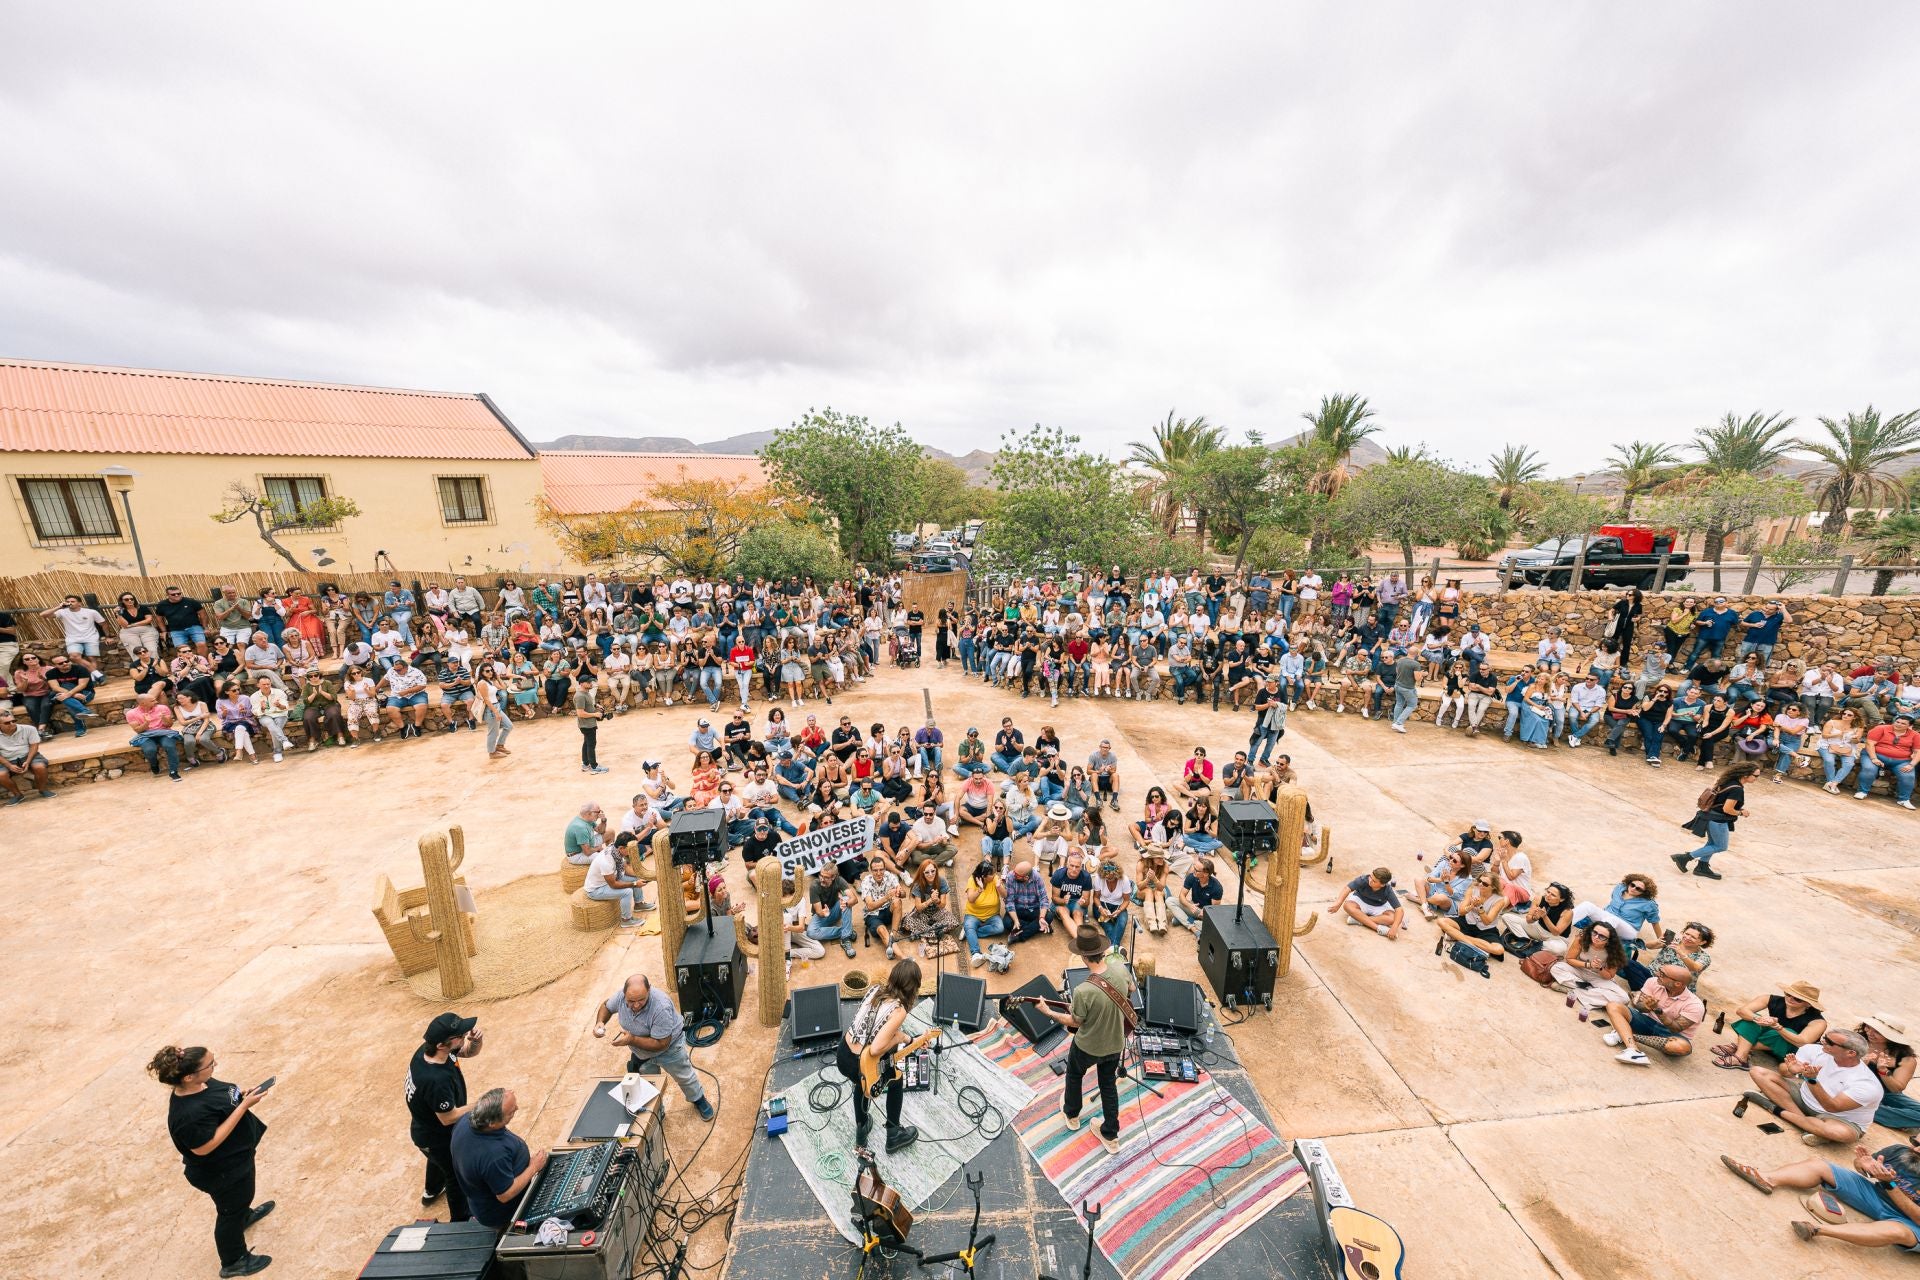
(80, 625)
(406, 687)
(607, 881)
(1824, 1089)
(927, 839)
(642, 819)
(1310, 583)
(1589, 702)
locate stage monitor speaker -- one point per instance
(1035, 1026)
(696, 838)
(710, 973)
(815, 1016)
(960, 1002)
(1073, 977)
(1174, 1004)
(1240, 958)
(1249, 826)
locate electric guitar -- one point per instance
(878, 1068)
(1369, 1248)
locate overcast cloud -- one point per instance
(1564, 224)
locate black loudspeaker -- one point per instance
(1174, 1004)
(960, 1002)
(815, 1016)
(710, 973)
(1249, 826)
(1239, 957)
(697, 838)
(1035, 1026)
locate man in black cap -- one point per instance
(1098, 1022)
(436, 1098)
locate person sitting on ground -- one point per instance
(1052, 836)
(929, 919)
(1113, 891)
(832, 899)
(1882, 1186)
(1630, 909)
(1825, 1089)
(928, 839)
(1154, 813)
(1026, 894)
(983, 915)
(1198, 890)
(1374, 901)
(1589, 972)
(1688, 950)
(658, 788)
(1780, 1023)
(1444, 888)
(794, 921)
(1548, 919)
(879, 893)
(1893, 1060)
(1475, 920)
(1196, 778)
(1663, 1017)
(1071, 892)
(971, 755)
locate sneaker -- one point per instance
(705, 1108)
(1612, 1040)
(1347, 919)
(1380, 929)
(1632, 1057)
(252, 1264)
(631, 922)
(979, 958)
(1074, 1122)
(258, 1212)
(890, 951)
(846, 946)
(1112, 1145)
(278, 758)
(1904, 804)
(1365, 714)
(1859, 795)
(1399, 728)
(426, 1200)
(1573, 743)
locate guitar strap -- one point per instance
(1129, 1018)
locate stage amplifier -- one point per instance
(960, 1001)
(697, 838)
(1249, 826)
(814, 1016)
(1239, 957)
(710, 973)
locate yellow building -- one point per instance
(106, 467)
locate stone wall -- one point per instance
(1824, 628)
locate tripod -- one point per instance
(965, 1257)
(1091, 1212)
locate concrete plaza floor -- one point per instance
(1492, 1129)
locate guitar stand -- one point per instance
(1091, 1212)
(871, 1242)
(965, 1257)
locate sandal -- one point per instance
(1747, 1174)
(1729, 1064)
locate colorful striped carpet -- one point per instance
(1161, 1214)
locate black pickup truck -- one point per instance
(1608, 564)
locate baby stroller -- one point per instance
(907, 652)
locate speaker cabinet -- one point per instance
(710, 973)
(814, 1016)
(1239, 957)
(960, 1002)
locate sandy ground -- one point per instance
(1496, 1132)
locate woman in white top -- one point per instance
(878, 1028)
(489, 690)
(357, 700)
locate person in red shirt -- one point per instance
(1889, 746)
(741, 658)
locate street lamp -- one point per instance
(120, 480)
(1577, 482)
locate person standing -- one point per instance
(655, 1036)
(586, 715)
(878, 1026)
(1269, 720)
(1097, 1019)
(436, 1097)
(1726, 805)
(492, 1164)
(213, 1127)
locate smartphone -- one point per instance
(265, 1085)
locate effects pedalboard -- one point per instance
(1176, 1070)
(1153, 1042)
(916, 1071)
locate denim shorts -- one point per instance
(192, 635)
(408, 700)
(1860, 1195)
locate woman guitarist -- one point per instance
(877, 1030)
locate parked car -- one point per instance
(1616, 556)
(924, 562)
(900, 541)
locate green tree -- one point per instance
(1784, 560)
(1334, 431)
(948, 498)
(1514, 468)
(1061, 504)
(1641, 465)
(1488, 531)
(244, 502)
(1407, 503)
(1177, 443)
(1895, 541)
(1734, 446)
(790, 549)
(1854, 462)
(1241, 489)
(1722, 506)
(1408, 453)
(866, 477)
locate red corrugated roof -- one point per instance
(582, 483)
(72, 408)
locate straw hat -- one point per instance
(1802, 990)
(1886, 1028)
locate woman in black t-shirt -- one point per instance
(1725, 806)
(213, 1127)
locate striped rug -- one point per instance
(1161, 1214)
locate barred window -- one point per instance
(71, 509)
(463, 499)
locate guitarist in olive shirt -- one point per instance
(1099, 1018)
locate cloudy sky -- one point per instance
(1569, 225)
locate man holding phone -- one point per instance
(436, 1097)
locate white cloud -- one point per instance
(1570, 225)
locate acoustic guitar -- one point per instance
(878, 1206)
(1369, 1248)
(878, 1068)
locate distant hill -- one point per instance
(975, 463)
(1365, 454)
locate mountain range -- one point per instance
(975, 464)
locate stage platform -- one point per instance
(781, 1230)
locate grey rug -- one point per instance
(820, 1144)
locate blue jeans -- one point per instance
(1184, 678)
(1025, 826)
(1262, 743)
(773, 816)
(1716, 842)
(1005, 763)
(1789, 743)
(1513, 718)
(820, 931)
(1902, 776)
(1752, 646)
(153, 742)
(676, 1062)
(1837, 767)
(932, 757)
(1047, 790)
(710, 685)
(1405, 702)
(1588, 725)
(1116, 928)
(966, 653)
(1001, 849)
(975, 929)
(1201, 843)
(967, 768)
(402, 622)
(792, 796)
(622, 896)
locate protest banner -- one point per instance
(835, 843)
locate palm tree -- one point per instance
(1407, 453)
(1640, 464)
(1176, 443)
(1896, 540)
(1854, 459)
(1514, 468)
(1735, 446)
(1337, 428)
